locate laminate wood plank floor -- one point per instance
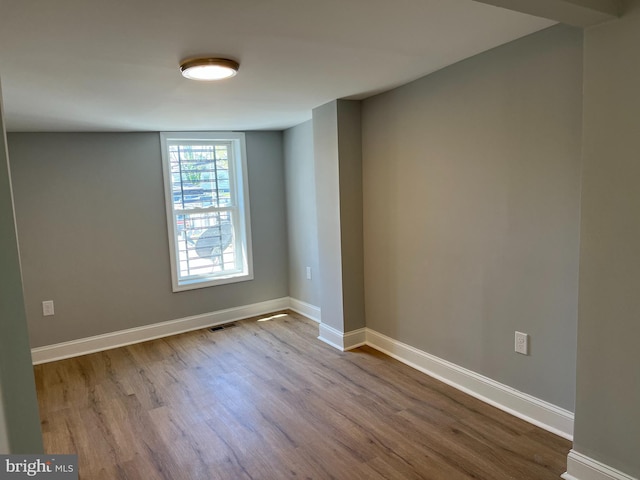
(267, 400)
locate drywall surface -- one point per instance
(338, 168)
(302, 221)
(19, 419)
(607, 423)
(4, 433)
(93, 235)
(351, 240)
(327, 176)
(471, 212)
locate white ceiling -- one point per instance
(112, 65)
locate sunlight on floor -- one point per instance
(279, 315)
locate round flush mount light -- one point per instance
(208, 69)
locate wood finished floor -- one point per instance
(267, 400)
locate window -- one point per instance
(205, 183)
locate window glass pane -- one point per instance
(199, 176)
(206, 244)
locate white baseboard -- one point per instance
(522, 405)
(331, 336)
(342, 341)
(121, 338)
(581, 467)
(355, 339)
(303, 308)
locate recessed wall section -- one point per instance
(471, 212)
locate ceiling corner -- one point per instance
(579, 13)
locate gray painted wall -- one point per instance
(302, 220)
(91, 219)
(338, 169)
(4, 431)
(19, 418)
(351, 236)
(325, 147)
(471, 212)
(607, 424)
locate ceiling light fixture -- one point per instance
(208, 69)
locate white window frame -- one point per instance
(239, 187)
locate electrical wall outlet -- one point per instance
(522, 343)
(47, 308)
(308, 273)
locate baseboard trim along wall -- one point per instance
(519, 404)
(342, 341)
(303, 308)
(522, 405)
(121, 338)
(581, 467)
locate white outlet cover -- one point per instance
(47, 308)
(522, 343)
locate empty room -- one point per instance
(327, 240)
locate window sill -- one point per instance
(205, 283)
